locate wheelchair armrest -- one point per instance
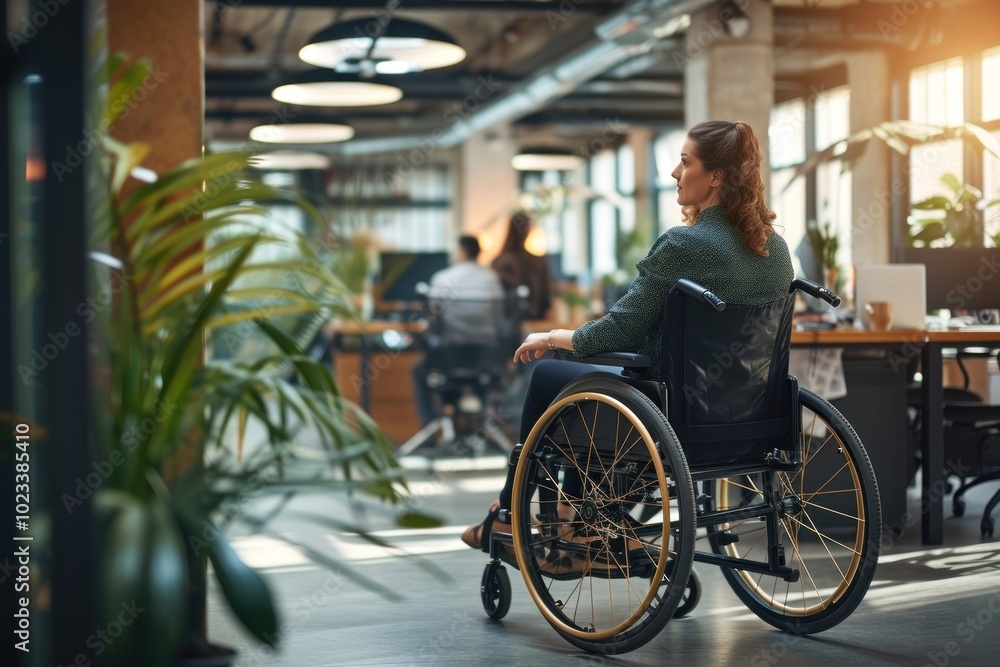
(619, 359)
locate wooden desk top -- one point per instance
(352, 328)
(895, 337)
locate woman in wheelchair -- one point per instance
(603, 486)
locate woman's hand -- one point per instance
(537, 344)
(534, 346)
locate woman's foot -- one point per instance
(478, 536)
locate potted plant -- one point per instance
(181, 251)
(825, 242)
(957, 220)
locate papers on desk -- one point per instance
(820, 370)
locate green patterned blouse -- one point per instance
(711, 253)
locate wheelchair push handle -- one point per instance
(816, 290)
(697, 291)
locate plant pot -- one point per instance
(200, 653)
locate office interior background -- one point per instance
(880, 124)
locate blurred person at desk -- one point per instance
(465, 298)
(516, 266)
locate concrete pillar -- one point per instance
(728, 78)
(168, 113)
(871, 187)
(488, 187)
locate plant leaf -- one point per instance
(246, 591)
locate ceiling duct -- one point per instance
(630, 32)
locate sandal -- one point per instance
(478, 536)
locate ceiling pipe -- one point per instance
(633, 31)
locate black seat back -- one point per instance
(729, 398)
(465, 343)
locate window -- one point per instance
(666, 154)
(939, 96)
(936, 98)
(611, 178)
(991, 85)
(824, 195)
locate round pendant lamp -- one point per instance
(290, 160)
(546, 159)
(323, 88)
(396, 47)
(302, 133)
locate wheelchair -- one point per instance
(619, 474)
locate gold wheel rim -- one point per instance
(519, 538)
(793, 526)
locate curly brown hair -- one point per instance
(733, 148)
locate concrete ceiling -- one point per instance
(252, 46)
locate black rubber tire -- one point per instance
(599, 626)
(495, 591)
(862, 556)
(692, 595)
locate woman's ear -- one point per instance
(717, 177)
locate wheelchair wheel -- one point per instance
(830, 527)
(495, 591)
(603, 516)
(691, 597)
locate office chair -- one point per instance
(971, 441)
(465, 367)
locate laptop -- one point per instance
(902, 285)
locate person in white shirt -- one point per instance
(466, 302)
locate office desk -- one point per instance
(907, 345)
(401, 380)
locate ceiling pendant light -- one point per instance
(331, 89)
(290, 160)
(546, 159)
(302, 133)
(366, 46)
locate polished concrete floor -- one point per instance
(938, 606)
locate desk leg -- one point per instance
(365, 384)
(932, 393)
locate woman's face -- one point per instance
(695, 185)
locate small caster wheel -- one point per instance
(691, 596)
(958, 507)
(495, 591)
(986, 526)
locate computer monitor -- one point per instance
(400, 272)
(960, 278)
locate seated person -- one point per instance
(516, 267)
(470, 296)
(729, 246)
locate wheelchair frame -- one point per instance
(608, 496)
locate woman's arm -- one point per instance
(537, 344)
